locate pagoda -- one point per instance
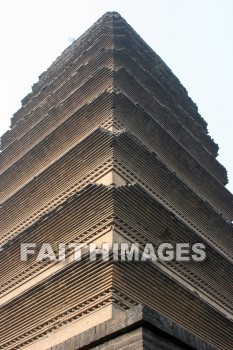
(109, 147)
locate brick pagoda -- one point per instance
(109, 147)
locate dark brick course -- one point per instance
(137, 328)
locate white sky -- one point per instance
(194, 38)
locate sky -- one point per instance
(194, 38)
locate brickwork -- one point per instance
(108, 146)
(139, 328)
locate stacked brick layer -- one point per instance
(109, 104)
(139, 328)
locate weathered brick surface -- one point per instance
(140, 329)
(151, 176)
(130, 341)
